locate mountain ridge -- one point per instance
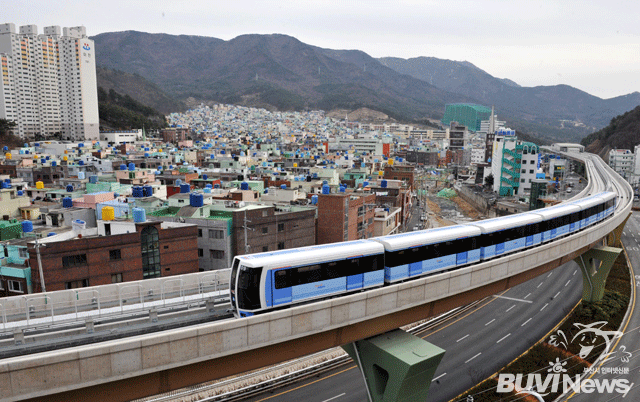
(280, 71)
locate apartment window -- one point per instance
(216, 254)
(81, 283)
(265, 213)
(280, 227)
(15, 286)
(531, 171)
(216, 234)
(265, 249)
(74, 260)
(281, 245)
(199, 232)
(200, 252)
(115, 255)
(521, 180)
(116, 278)
(265, 230)
(22, 253)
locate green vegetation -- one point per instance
(6, 137)
(122, 112)
(622, 132)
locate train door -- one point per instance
(281, 285)
(355, 281)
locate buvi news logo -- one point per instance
(587, 338)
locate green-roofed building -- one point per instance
(467, 114)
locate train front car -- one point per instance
(507, 234)
(414, 254)
(278, 279)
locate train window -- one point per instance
(308, 274)
(282, 278)
(353, 267)
(249, 288)
(395, 258)
(331, 270)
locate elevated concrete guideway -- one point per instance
(150, 364)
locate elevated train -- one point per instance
(274, 280)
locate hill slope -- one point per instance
(266, 70)
(122, 112)
(623, 132)
(138, 88)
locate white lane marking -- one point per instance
(489, 322)
(549, 274)
(504, 337)
(528, 294)
(539, 285)
(335, 397)
(473, 358)
(510, 308)
(462, 338)
(574, 272)
(440, 376)
(556, 295)
(526, 322)
(545, 306)
(511, 298)
(568, 282)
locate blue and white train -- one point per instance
(274, 280)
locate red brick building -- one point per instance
(345, 216)
(150, 250)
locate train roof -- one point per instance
(430, 236)
(311, 254)
(593, 199)
(556, 210)
(506, 222)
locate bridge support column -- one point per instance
(396, 366)
(614, 238)
(595, 265)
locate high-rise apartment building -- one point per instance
(48, 84)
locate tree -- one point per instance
(6, 126)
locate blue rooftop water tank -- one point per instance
(123, 166)
(244, 186)
(132, 166)
(365, 184)
(67, 202)
(147, 191)
(178, 182)
(314, 199)
(51, 234)
(20, 193)
(69, 188)
(383, 183)
(42, 160)
(81, 175)
(27, 226)
(326, 189)
(216, 185)
(81, 163)
(196, 200)
(139, 215)
(185, 188)
(93, 179)
(205, 177)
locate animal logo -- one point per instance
(588, 337)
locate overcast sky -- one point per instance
(591, 45)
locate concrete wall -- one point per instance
(161, 356)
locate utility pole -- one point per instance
(245, 227)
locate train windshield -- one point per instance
(249, 288)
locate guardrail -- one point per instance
(68, 306)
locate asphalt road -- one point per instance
(477, 344)
(625, 355)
